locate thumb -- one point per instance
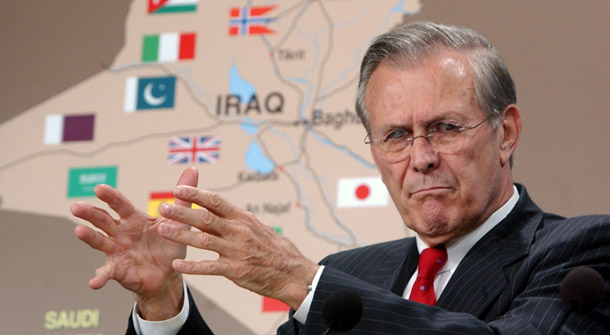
(189, 177)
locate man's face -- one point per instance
(440, 196)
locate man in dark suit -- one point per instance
(439, 108)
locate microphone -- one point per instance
(582, 289)
(342, 310)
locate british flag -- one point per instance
(195, 149)
(249, 20)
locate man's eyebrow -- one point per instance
(408, 126)
(448, 116)
(395, 125)
(425, 123)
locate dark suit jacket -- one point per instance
(508, 283)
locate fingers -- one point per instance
(211, 201)
(96, 216)
(201, 219)
(99, 242)
(102, 276)
(201, 240)
(95, 239)
(115, 199)
(189, 177)
(213, 268)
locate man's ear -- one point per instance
(374, 157)
(511, 131)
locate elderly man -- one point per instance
(439, 109)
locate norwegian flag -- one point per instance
(250, 21)
(196, 149)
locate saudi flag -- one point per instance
(171, 6)
(168, 47)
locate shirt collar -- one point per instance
(458, 248)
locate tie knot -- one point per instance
(431, 260)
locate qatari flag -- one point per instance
(68, 128)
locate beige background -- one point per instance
(557, 52)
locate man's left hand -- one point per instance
(251, 254)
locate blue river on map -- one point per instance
(256, 160)
(239, 86)
(255, 157)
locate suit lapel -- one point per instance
(477, 281)
(480, 277)
(400, 276)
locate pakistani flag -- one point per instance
(171, 6)
(168, 47)
(149, 93)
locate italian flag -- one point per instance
(168, 47)
(171, 6)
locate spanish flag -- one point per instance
(157, 198)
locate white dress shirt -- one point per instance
(165, 327)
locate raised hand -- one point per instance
(136, 256)
(251, 254)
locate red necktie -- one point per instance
(431, 260)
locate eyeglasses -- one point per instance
(444, 137)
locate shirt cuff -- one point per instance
(165, 327)
(301, 313)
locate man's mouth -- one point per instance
(430, 190)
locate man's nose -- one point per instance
(424, 158)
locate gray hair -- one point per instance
(408, 45)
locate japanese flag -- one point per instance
(361, 192)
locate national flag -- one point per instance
(68, 128)
(168, 47)
(250, 20)
(361, 192)
(171, 6)
(149, 93)
(82, 181)
(158, 198)
(274, 305)
(195, 149)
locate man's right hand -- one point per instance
(136, 256)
